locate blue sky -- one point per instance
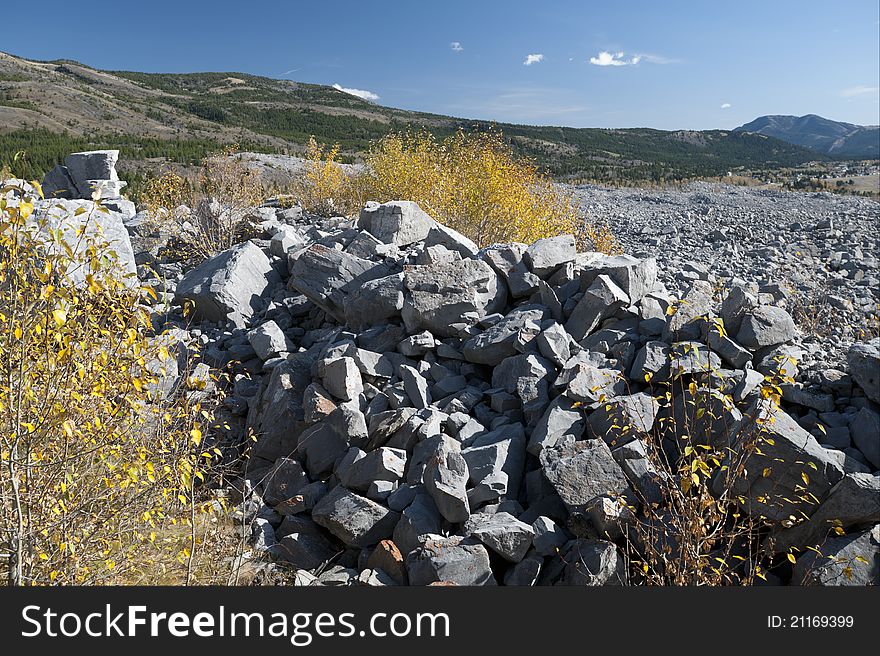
(666, 64)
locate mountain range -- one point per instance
(831, 138)
(51, 108)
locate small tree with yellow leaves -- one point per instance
(475, 184)
(99, 481)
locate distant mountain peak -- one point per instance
(819, 134)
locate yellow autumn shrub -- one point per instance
(324, 188)
(100, 480)
(474, 183)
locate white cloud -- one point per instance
(605, 58)
(725, 105)
(536, 58)
(860, 90)
(455, 46)
(360, 93)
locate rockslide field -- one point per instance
(429, 412)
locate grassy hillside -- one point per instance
(51, 108)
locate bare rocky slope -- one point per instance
(427, 412)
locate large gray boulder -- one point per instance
(495, 462)
(636, 277)
(374, 302)
(228, 286)
(276, 416)
(766, 325)
(601, 300)
(583, 471)
(326, 276)
(399, 222)
(441, 235)
(545, 256)
(446, 476)
(92, 165)
(499, 341)
(688, 319)
(788, 474)
(864, 365)
(58, 184)
(82, 223)
(442, 298)
(593, 562)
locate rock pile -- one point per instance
(428, 412)
(421, 411)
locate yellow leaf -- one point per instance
(196, 435)
(791, 558)
(25, 208)
(767, 471)
(60, 316)
(805, 478)
(18, 333)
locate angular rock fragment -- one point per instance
(788, 475)
(581, 472)
(499, 342)
(864, 427)
(502, 533)
(228, 286)
(399, 222)
(305, 551)
(854, 501)
(445, 478)
(268, 340)
(848, 560)
(455, 560)
(765, 326)
(601, 300)
(326, 276)
(355, 520)
(546, 255)
(623, 418)
(864, 365)
(439, 298)
(342, 378)
(593, 562)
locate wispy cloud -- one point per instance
(658, 59)
(360, 93)
(860, 90)
(725, 105)
(455, 46)
(535, 58)
(292, 70)
(605, 58)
